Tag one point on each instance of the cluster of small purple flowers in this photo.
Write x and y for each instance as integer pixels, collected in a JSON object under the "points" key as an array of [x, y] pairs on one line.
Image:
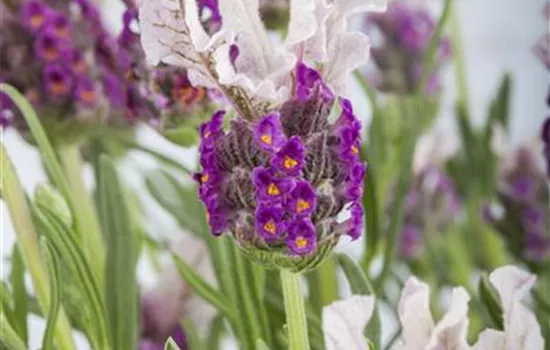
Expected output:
{"points": [[279, 182], [432, 204], [399, 56], [59, 54], [522, 214]]}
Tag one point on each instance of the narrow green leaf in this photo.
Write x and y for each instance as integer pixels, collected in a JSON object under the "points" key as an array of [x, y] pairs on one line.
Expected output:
{"points": [[184, 136], [20, 305], [70, 250], [192, 335], [121, 290], [261, 345], [171, 345], [203, 288], [247, 315], [215, 334], [499, 110], [48, 154], [491, 301], [181, 203], [360, 285], [16, 201], [52, 265], [10, 340]]}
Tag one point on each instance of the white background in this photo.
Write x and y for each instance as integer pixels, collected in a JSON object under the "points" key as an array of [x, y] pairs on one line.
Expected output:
{"points": [[498, 36]]}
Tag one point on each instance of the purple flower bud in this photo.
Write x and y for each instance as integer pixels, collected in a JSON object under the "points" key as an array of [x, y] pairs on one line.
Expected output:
{"points": [[269, 187], [546, 131], [303, 200], [537, 246], [302, 238], [524, 187], [268, 132], [218, 217], [113, 88], [35, 14], [533, 218], [78, 62], [88, 11], [85, 92], [357, 173], [354, 225], [307, 80], [60, 26], [49, 47], [290, 158], [58, 81], [269, 222], [411, 242]]}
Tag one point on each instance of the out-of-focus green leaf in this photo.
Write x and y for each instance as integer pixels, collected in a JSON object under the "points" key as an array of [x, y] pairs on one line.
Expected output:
{"points": [[52, 265], [203, 288], [192, 335], [9, 340], [360, 285], [184, 136], [179, 201], [215, 334], [261, 345], [20, 302], [499, 110], [491, 301], [121, 290], [70, 250]]}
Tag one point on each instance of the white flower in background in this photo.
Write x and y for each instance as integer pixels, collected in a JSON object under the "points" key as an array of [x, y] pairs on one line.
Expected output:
{"points": [[344, 322], [419, 330], [521, 329], [240, 60]]}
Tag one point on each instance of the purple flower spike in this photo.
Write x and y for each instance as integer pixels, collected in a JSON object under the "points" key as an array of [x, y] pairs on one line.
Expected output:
{"points": [[49, 48], [303, 200], [355, 223], [290, 158], [35, 14], [302, 238], [269, 222], [268, 132], [214, 126], [269, 187], [113, 88], [58, 81], [85, 92], [307, 79], [217, 216]]}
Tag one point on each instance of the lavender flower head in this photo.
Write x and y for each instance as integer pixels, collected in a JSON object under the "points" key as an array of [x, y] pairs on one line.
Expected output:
{"points": [[399, 56], [278, 176], [75, 73], [523, 203], [431, 205]]}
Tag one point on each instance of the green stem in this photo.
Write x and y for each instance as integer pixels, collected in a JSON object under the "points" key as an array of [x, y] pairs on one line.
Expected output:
{"points": [[432, 48], [295, 311], [85, 215], [27, 241], [459, 61]]}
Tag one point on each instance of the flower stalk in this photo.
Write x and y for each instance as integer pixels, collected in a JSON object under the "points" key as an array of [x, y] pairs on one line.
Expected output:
{"points": [[14, 197], [295, 311], [87, 223]]}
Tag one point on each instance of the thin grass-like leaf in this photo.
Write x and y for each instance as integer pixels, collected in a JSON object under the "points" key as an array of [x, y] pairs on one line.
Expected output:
{"points": [[171, 345], [121, 290], [20, 302], [52, 265], [203, 288], [10, 340]]}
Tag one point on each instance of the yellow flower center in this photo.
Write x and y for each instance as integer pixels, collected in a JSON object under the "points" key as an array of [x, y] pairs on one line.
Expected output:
{"points": [[207, 134], [266, 139], [59, 87], [270, 227], [354, 150], [290, 162], [37, 20], [273, 190], [302, 205], [301, 242], [204, 177], [87, 96]]}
